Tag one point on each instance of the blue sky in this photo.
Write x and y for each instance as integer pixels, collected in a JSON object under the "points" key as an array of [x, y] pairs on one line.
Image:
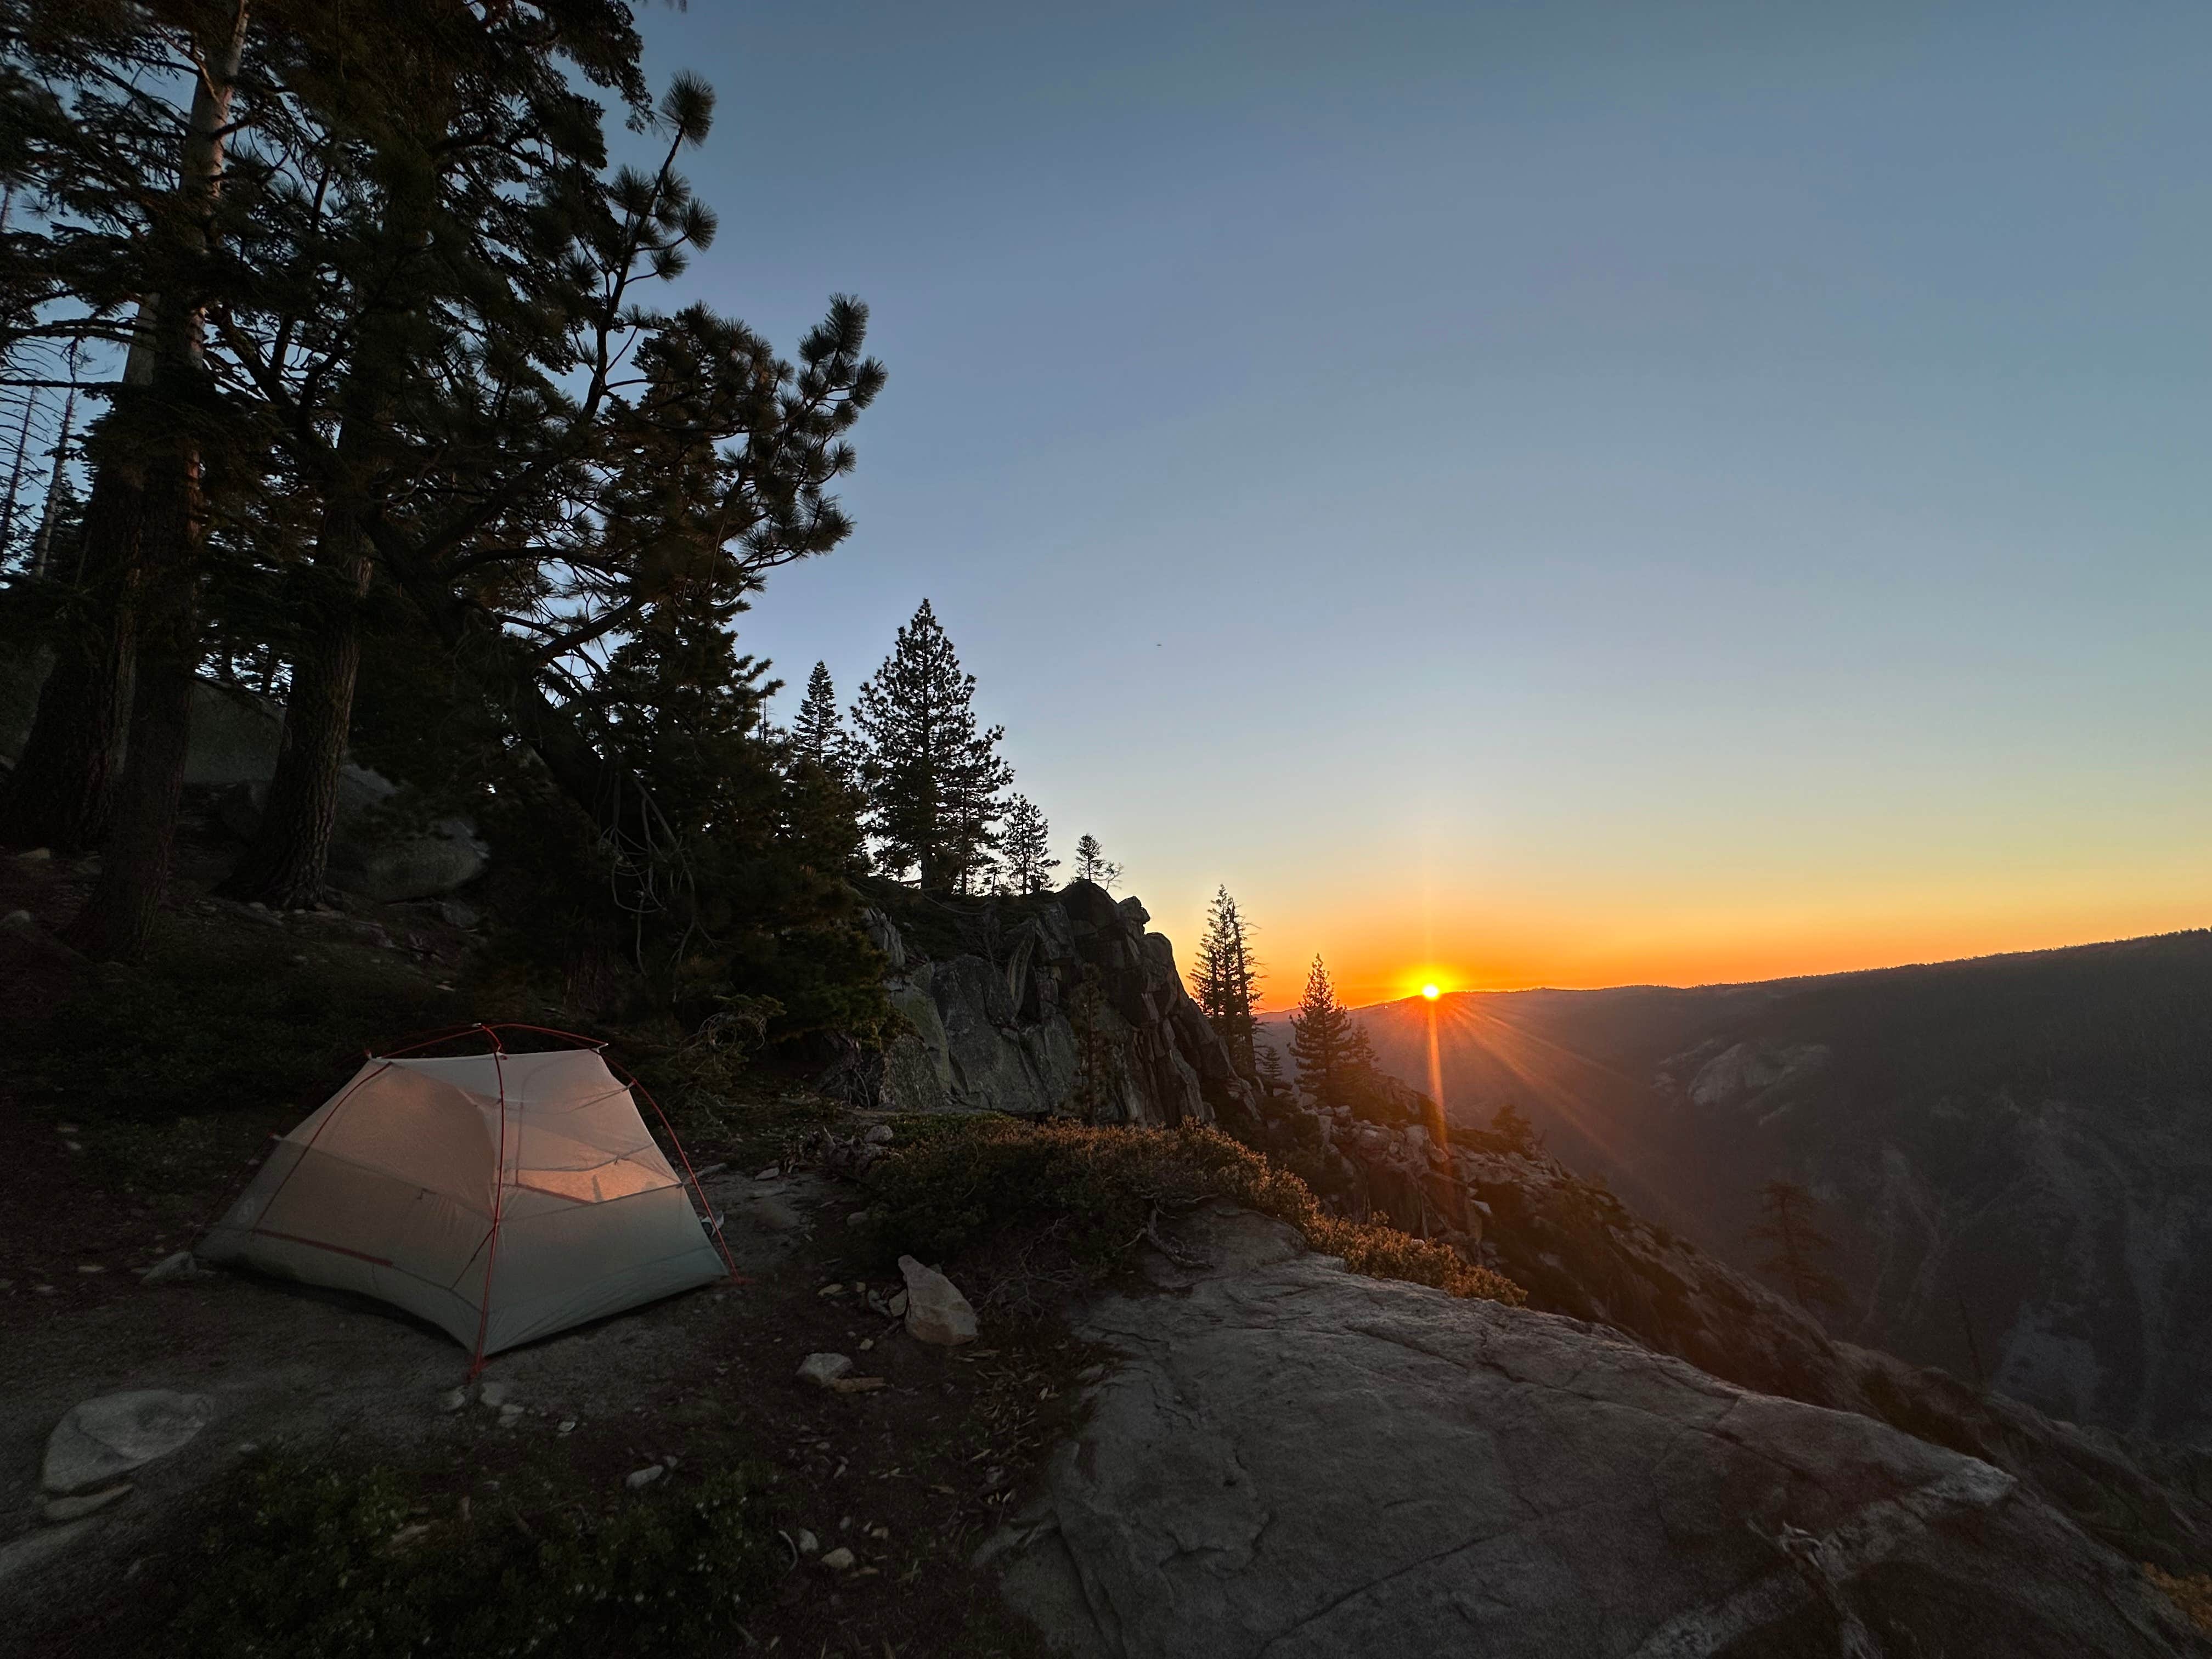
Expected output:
{"points": [[1560, 493]]}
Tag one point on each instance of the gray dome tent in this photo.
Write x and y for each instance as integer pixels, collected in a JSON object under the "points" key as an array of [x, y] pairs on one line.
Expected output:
{"points": [[501, 1196]]}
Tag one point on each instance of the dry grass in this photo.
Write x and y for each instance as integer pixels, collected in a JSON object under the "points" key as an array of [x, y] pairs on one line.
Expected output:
{"points": [[1061, 1206], [2190, 1592]]}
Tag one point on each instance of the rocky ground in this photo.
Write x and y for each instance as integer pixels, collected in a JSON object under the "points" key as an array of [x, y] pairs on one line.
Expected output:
{"points": [[1244, 1450], [1292, 1460], [904, 1478]]}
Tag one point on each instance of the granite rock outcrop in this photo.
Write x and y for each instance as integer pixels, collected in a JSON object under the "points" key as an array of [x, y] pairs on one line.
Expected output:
{"points": [[1055, 1004], [1291, 1460]]}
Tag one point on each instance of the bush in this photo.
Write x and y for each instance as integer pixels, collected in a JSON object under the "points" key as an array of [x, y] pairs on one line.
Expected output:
{"points": [[309, 1560], [219, 1018], [1070, 1204]]}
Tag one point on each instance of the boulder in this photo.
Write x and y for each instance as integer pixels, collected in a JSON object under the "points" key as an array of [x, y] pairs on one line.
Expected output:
{"points": [[1297, 1461], [104, 1438], [390, 868], [936, 1312]]}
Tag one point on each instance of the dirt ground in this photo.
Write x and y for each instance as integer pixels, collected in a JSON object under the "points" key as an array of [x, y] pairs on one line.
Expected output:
{"points": [[910, 1478]]}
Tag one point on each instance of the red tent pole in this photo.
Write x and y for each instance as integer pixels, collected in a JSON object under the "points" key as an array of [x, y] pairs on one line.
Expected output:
{"points": [[498, 1205], [713, 1227]]}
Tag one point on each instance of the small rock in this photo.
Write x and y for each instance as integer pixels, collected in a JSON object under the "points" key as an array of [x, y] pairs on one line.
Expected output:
{"points": [[36, 856], [878, 1136], [858, 1218], [822, 1370], [453, 1399], [90, 1267], [493, 1393], [177, 1269], [115, 1433], [768, 1174], [808, 1543], [509, 1416], [639, 1479], [76, 1509], [833, 1288], [936, 1312], [775, 1215], [1090, 1373], [16, 918], [839, 1559], [568, 1426], [859, 1384], [867, 1343], [27, 1550]]}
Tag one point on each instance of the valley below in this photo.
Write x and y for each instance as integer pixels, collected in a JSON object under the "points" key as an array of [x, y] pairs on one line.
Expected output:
{"points": [[2012, 1154]]}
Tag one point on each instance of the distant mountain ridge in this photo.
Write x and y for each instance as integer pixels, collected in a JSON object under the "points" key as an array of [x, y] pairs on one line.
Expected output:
{"points": [[2014, 1152]]}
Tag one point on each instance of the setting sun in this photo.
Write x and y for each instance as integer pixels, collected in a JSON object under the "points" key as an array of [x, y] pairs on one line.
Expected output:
{"points": [[1431, 992]]}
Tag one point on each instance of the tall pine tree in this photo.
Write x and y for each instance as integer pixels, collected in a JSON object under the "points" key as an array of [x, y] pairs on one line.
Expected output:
{"points": [[933, 779], [818, 736], [1025, 859], [1328, 1048], [1798, 1246], [1091, 864], [1226, 975]]}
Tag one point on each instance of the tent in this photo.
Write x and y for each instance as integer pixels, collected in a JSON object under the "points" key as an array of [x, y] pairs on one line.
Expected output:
{"points": [[501, 1196]]}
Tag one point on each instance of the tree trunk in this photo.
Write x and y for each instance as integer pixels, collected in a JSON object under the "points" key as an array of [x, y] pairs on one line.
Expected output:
{"points": [[59, 796], [117, 920], [286, 864]]}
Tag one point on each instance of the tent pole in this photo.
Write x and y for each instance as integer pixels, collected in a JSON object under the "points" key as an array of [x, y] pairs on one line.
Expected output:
{"points": [[498, 1205]]}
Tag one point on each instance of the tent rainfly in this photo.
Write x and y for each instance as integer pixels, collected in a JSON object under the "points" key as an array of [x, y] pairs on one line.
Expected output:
{"points": [[502, 1196]]}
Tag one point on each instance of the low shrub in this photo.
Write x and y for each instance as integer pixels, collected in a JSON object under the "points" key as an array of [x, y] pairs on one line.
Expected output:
{"points": [[1071, 1204], [308, 1560], [217, 1018]]}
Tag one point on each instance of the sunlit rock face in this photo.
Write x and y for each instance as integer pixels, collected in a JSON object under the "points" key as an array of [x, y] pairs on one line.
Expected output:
{"points": [[1291, 1461], [1062, 1004]]}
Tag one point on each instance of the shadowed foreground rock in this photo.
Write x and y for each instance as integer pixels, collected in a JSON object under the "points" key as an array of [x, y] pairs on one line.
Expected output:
{"points": [[1298, 1462]]}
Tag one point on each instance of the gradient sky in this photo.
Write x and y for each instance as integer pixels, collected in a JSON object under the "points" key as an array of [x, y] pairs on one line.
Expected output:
{"points": [[1533, 494]]}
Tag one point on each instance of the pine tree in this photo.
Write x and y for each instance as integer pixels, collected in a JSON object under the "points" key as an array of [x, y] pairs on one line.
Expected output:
{"points": [[1091, 864], [1325, 1042], [1272, 1079], [1024, 847], [818, 736], [1511, 1126], [1225, 975], [1798, 1246], [933, 779]]}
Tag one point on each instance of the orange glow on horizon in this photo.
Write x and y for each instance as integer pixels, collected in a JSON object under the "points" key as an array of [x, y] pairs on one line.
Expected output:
{"points": [[1523, 950], [1431, 991]]}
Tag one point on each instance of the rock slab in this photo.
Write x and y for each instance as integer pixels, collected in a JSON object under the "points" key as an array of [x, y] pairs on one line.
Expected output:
{"points": [[1296, 1463], [103, 1439]]}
